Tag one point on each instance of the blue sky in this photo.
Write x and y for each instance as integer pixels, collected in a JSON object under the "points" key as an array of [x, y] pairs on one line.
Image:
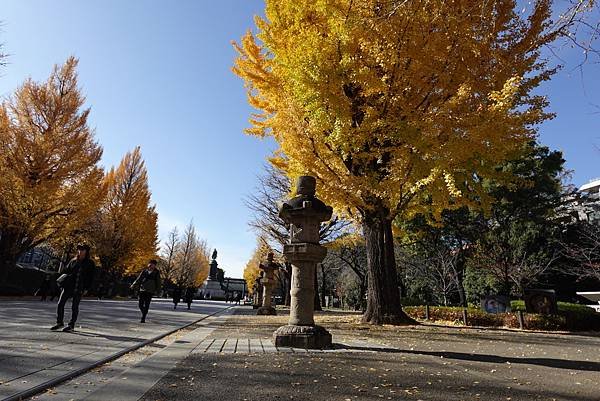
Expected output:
{"points": [[157, 74]]}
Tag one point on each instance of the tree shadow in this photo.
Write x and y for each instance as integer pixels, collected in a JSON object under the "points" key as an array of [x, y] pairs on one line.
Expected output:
{"points": [[108, 336], [548, 362]]}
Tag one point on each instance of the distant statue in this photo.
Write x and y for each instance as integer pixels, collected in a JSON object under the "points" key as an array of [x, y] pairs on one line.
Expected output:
{"points": [[213, 270]]}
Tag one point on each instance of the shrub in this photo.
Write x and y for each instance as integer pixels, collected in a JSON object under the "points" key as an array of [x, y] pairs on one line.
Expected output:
{"points": [[571, 317]]}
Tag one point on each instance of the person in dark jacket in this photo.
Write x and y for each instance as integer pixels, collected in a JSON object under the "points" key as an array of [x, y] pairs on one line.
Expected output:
{"points": [[100, 291], [176, 296], [189, 296], [54, 290], [149, 283], [42, 292], [76, 278]]}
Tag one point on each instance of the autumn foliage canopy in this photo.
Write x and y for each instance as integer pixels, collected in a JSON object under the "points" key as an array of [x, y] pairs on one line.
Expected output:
{"points": [[397, 107]]}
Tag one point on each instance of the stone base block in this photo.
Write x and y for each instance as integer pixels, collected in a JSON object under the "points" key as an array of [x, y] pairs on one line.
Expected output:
{"points": [[266, 310], [309, 337]]}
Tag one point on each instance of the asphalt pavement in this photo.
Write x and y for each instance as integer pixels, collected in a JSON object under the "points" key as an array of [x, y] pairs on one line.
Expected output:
{"points": [[31, 354]]}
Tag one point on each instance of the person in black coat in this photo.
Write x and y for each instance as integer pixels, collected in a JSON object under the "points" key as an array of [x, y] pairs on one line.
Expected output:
{"points": [[76, 278], [189, 296], [176, 297], [42, 292], [149, 284], [54, 290]]}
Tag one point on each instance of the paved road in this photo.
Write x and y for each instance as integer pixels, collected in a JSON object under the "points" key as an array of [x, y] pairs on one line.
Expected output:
{"points": [[31, 354]]}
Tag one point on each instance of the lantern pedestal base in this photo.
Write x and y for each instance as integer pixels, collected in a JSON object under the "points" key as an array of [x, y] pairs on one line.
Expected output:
{"points": [[308, 337]]}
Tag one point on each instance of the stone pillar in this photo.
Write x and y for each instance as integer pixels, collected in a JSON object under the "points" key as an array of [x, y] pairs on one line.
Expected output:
{"points": [[304, 213], [257, 293], [268, 282]]}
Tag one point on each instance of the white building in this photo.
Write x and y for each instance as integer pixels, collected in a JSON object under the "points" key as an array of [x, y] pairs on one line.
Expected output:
{"points": [[592, 188], [581, 204], [591, 201]]}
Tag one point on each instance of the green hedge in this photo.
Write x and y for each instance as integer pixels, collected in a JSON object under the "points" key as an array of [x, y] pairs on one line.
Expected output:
{"points": [[570, 317]]}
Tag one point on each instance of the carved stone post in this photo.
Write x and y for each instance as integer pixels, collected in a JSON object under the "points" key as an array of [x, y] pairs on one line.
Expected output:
{"points": [[268, 282], [257, 293], [304, 213]]}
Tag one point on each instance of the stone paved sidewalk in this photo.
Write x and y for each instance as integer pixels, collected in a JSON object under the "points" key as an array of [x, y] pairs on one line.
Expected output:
{"points": [[373, 363]]}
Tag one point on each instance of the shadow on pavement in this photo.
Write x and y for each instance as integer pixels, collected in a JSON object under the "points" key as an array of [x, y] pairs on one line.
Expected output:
{"points": [[107, 336], [548, 362]]}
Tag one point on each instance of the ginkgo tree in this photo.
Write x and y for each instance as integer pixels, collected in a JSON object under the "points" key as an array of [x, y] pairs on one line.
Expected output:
{"points": [[396, 107], [191, 261], [125, 230], [50, 177], [252, 269]]}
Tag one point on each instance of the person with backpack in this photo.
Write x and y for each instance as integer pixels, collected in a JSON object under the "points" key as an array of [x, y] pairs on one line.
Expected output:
{"points": [[148, 282], [75, 280]]}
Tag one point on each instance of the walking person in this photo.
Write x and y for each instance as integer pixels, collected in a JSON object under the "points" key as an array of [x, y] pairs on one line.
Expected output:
{"points": [[76, 279], [176, 296], [189, 296], [44, 288], [100, 291], [54, 290], [149, 283]]}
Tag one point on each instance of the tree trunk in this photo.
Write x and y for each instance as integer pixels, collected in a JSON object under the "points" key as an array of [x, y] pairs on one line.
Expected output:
{"points": [[505, 286], [6, 265], [383, 299], [460, 279], [317, 299]]}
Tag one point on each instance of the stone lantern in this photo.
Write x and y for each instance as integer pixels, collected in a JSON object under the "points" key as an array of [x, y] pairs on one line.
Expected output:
{"points": [[304, 213], [268, 282], [257, 292]]}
